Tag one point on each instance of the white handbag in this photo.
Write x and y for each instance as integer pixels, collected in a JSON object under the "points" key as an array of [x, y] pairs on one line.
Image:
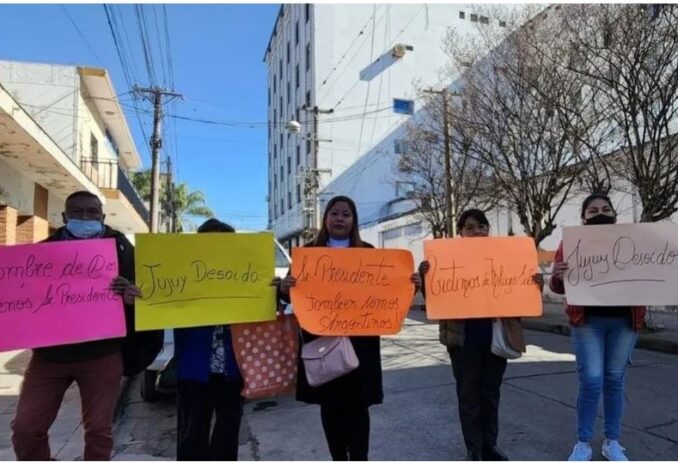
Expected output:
{"points": [[500, 345]]}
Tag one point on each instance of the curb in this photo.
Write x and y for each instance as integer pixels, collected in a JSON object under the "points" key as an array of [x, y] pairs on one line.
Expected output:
{"points": [[645, 340]]}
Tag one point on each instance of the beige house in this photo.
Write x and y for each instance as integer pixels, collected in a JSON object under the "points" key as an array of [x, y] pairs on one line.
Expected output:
{"points": [[61, 130]]}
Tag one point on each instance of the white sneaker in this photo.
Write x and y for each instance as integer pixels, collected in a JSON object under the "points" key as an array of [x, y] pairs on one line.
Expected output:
{"points": [[612, 450], [581, 451]]}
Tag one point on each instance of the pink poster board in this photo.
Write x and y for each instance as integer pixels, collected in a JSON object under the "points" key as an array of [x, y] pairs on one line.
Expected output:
{"points": [[57, 293]]}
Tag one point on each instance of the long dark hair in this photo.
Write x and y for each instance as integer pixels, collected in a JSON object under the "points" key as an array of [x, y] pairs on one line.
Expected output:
{"points": [[476, 214], [324, 234], [215, 226]]}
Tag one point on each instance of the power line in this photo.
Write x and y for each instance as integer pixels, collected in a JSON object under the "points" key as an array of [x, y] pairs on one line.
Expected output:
{"points": [[82, 36]]}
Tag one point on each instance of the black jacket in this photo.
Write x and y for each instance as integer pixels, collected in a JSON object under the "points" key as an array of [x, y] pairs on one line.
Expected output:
{"points": [[97, 348], [363, 386]]}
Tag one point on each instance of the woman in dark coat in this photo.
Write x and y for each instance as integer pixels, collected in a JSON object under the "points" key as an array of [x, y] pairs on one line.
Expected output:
{"points": [[345, 401]]}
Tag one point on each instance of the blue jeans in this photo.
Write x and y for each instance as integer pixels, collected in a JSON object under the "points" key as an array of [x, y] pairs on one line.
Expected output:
{"points": [[603, 348]]}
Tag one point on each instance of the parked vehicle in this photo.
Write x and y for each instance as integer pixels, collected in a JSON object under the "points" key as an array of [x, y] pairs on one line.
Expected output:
{"points": [[159, 379]]}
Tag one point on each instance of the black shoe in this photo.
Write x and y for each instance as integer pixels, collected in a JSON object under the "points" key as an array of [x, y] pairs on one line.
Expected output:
{"points": [[494, 453], [473, 455]]}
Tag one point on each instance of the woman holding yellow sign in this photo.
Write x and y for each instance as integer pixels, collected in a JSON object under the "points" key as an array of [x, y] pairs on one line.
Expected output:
{"points": [[477, 370], [345, 400], [603, 339]]}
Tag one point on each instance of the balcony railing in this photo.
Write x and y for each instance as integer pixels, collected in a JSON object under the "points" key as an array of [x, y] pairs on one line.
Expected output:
{"points": [[106, 173]]}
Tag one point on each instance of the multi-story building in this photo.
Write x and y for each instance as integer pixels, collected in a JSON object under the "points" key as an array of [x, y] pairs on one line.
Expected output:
{"points": [[347, 74], [61, 130]]}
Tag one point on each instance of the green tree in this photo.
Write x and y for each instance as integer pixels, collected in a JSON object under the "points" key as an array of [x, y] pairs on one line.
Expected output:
{"points": [[176, 204]]}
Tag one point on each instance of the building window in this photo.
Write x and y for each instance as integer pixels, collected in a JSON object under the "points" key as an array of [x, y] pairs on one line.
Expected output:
{"points": [[415, 229], [298, 194], [400, 147], [289, 200], [484, 20], [289, 165], [298, 155], [282, 206], [296, 33], [275, 85], [289, 53], [296, 76], [404, 189], [308, 99], [281, 72], [308, 11], [403, 106], [296, 113], [275, 181], [281, 142], [93, 147], [474, 17], [308, 56], [502, 23], [275, 151], [462, 15], [289, 93], [308, 147]]}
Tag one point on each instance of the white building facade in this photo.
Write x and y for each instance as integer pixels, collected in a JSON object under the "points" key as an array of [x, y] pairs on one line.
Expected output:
{"points": [[62, 130], [358, 66]]}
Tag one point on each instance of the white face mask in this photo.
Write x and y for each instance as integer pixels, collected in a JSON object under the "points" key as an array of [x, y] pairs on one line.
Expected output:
{"points": [[84, 229]]}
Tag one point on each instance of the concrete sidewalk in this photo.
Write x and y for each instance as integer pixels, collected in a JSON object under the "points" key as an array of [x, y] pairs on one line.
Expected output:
{"points": [[663, 339], [66, 435]]}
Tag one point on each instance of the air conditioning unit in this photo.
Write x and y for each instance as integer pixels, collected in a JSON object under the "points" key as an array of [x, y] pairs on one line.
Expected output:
{"points": [[399, 50]]}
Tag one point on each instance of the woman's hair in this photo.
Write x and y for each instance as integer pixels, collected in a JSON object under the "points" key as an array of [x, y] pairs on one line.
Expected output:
{"points": [[478, 215], [324, 234], [215, 226], [593, 197]]}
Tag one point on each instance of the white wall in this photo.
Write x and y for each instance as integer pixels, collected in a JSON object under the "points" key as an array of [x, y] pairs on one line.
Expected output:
{"points": [[18, 191], [50, 94], [356, 75]]}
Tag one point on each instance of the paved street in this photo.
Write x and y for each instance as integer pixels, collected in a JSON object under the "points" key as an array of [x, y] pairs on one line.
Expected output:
{"points": [[418, 420]]}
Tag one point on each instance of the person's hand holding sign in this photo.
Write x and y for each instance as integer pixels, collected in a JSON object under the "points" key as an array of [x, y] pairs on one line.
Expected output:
{"points": [[287, 283], [125, 289], [538, 279], [559, 269]]}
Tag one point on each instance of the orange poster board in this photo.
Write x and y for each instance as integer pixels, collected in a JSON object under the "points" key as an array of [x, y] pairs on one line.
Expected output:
{"points": [[353, 291], [489, 277]]}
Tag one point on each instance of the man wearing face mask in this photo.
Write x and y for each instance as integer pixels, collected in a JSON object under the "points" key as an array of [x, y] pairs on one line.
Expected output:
{"points": [[97, 366], [603, 338]]}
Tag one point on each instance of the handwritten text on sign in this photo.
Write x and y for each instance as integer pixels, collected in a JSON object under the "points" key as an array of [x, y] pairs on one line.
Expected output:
{"points": [[352, 291], [206, 279], [487, 277], [58, 293], [621, 265]]}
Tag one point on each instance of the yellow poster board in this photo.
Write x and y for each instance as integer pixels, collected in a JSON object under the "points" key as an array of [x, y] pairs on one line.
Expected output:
{"points": [[190, 280]]}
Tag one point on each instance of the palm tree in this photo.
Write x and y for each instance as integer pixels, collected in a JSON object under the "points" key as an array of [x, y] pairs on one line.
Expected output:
{"points": [[183, 204], [176, 204]]}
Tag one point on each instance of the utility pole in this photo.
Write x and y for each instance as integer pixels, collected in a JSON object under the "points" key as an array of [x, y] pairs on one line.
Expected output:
{"points": [[156, 95], [449, 196], [312, 179], [171, 221]]}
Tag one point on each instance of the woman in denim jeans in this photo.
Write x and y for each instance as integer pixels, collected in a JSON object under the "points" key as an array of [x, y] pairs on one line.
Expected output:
{"points": [[603, 338]]}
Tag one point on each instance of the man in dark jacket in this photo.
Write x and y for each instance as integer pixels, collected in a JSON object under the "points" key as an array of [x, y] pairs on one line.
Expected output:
{"points": [[96, 366]]}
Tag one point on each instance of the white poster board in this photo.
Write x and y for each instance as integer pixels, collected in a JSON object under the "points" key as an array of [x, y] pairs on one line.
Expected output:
{"points": [[621, 265]]}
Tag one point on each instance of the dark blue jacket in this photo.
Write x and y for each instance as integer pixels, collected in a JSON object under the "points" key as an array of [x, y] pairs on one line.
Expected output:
{"points": [[193, 349]]}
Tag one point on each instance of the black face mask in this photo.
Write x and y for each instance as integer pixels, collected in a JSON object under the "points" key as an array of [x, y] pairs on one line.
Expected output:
{"points": [[602, 219]]}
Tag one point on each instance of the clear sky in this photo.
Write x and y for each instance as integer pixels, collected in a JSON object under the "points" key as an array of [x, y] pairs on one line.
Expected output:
{"points": [[217, 61]]}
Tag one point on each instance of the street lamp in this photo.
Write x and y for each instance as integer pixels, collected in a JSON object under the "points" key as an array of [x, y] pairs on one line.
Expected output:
{"points": [[311, 174]]}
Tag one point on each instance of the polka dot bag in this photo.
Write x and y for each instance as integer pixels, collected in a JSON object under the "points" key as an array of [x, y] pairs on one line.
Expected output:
{"points": [[267, 355]]}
